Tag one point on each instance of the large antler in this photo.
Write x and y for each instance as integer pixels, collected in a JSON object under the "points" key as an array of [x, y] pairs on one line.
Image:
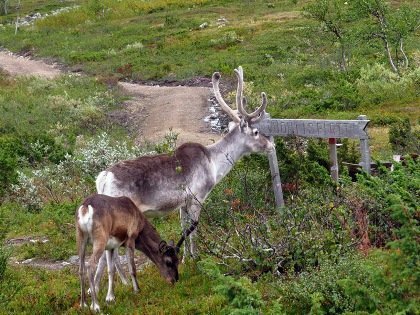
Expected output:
{"points": [[185, 234], [252, 117], [256, 115], [225, 107]]}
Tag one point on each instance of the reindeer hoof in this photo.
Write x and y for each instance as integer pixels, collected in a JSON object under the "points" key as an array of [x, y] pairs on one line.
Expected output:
{"points": [[95, 307], [110, 298], [89, 291]]}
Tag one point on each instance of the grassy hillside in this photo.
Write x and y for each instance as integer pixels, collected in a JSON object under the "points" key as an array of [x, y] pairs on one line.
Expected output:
{"points": [[283, 52], [347, 247]]}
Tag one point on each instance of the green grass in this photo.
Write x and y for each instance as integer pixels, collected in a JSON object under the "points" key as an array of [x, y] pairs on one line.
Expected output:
{"points": [[62, 108], [57, 292]]}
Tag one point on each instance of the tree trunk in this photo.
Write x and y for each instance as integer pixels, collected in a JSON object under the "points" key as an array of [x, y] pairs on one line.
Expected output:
{"points": [[384, 37], [388, 52], [343, 58], [403, 53]]}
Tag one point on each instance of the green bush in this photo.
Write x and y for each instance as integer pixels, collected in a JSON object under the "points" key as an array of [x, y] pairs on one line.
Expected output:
{"points": [[302, 160], [402, 139], [380, 191], [378, 84], [8, 163], [28, 150], [240, 227], [4, 254], [242, 297], [326, 289]]}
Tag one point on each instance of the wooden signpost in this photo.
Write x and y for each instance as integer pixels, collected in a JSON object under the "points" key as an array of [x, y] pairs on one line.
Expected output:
{"points": [[315, 128]]}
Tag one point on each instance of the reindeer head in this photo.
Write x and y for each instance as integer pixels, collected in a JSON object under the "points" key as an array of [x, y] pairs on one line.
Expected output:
{"points": [[241, 120], [170, 261], [169, 252]]}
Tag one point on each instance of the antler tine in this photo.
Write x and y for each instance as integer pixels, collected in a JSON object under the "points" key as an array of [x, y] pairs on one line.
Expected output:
{"points": [[225, 107], [261, 109], [240, 90], [186, 233], [240, 99]]}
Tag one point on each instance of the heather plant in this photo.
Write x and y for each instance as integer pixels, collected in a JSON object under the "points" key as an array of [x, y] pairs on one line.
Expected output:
{"points": [[321, 290], [401, 185], [69, 179], [8, 163], [242, 297], [377, 84], [98, 153], [402, 138]]}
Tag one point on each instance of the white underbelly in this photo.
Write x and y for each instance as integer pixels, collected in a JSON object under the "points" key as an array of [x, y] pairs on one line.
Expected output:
{"points": [[113, 243]]}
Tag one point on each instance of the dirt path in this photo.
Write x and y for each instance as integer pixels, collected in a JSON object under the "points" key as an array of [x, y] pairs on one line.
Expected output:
{"points": [[150, 112], [153, 110], [24, 66]]}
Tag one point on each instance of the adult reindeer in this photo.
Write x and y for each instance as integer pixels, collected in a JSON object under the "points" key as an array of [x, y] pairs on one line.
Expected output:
{"points": [[162, 183]]}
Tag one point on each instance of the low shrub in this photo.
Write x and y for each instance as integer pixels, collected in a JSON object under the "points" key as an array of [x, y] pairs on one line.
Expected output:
{"points": [[228, 39], [400, 185], [378, 84], [242, 297], [324, 290], [4, 253], [241, 228], [8, 163], [73, 176], [402, 139]]}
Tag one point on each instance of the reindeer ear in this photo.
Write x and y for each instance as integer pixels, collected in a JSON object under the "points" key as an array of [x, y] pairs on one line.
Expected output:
{"points": [[243, 124], [162, 246]]}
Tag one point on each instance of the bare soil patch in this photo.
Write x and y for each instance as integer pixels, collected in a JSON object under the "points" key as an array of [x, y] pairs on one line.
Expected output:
{"points": [[140, 260], [153, 110], [24, 66]]}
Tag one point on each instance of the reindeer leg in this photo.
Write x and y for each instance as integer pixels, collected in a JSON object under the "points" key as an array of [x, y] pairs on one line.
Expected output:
{"points": [[183, 213], [110, 296], [119, 268], [99, 272], [194, 214], [98, 250], [131, 264], [82, 242]]}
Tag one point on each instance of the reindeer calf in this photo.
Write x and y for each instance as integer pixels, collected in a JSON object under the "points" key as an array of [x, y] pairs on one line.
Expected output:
{"points": [[110, 222]]}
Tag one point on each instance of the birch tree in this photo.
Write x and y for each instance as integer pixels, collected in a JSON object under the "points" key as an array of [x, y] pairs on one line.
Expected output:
{"points": [[332, 14], [392, 27]]}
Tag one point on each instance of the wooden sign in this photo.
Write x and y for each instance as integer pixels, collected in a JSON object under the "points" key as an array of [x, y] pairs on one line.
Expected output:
{"points": [[314, 128]]}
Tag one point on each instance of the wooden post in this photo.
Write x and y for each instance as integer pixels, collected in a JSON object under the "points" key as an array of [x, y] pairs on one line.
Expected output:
{"points": [[275, 177], [364, 149], [332, 144]]}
